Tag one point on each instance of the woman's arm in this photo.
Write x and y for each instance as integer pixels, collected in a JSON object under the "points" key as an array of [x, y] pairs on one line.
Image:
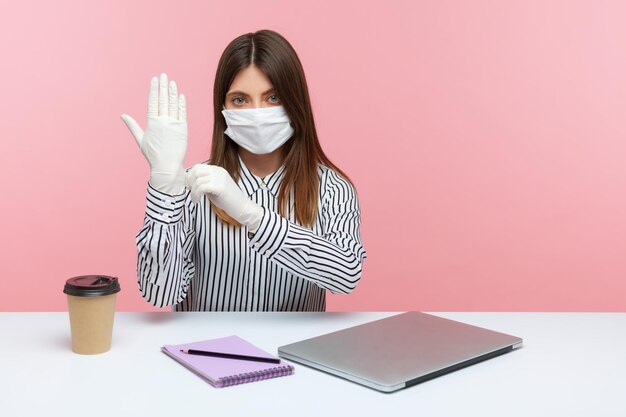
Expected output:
{"points": [[334, 260], [164, 247]]}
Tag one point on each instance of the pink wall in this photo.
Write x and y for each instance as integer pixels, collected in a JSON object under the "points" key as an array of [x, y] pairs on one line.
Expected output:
{"points": [[487, 141]]}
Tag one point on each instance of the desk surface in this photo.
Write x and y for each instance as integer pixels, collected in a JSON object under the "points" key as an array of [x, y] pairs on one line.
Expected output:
{"points": [[571, 364]]}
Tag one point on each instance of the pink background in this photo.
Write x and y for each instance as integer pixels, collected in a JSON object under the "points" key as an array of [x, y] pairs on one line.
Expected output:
{"points": [[487, 141]]}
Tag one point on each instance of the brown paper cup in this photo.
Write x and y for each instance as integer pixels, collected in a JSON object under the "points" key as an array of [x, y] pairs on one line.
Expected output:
{"points": [[91, 306], [91, 322]]}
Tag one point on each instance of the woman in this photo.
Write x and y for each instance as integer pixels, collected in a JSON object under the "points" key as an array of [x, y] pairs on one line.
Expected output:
{"points": [[269, 223]]}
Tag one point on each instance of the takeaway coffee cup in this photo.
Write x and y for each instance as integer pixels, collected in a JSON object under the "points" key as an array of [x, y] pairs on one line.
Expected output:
{"points": [[91, 305]]}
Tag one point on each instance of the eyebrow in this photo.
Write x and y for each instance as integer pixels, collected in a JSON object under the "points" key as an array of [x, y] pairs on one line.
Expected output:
{"points": [[244, 94]]}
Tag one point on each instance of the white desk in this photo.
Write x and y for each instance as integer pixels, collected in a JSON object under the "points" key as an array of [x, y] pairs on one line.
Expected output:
{"points": [[572, 364]]}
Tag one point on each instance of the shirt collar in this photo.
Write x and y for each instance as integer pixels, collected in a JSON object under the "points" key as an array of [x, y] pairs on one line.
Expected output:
{"points": [[250, 183]]}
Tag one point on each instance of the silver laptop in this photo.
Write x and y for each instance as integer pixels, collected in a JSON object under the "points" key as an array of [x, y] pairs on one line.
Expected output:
{"points": [[399, 351]]}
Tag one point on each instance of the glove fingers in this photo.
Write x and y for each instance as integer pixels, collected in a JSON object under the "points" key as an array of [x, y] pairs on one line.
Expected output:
{"points": [[153, 98], [200, 181], [190, 177], [134, 128], [163, 96], [173, 100], [196, 171], [202, 186], [182, 108], [205, 179]]}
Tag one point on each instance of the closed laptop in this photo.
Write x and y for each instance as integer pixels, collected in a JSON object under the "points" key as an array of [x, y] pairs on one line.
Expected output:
{"points": [[399, 351]]}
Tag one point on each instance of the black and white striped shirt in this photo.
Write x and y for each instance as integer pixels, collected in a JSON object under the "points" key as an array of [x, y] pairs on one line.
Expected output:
{"points": [[187, 257]]}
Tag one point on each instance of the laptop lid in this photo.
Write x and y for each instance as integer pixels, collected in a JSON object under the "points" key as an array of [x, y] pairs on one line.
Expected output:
{"points": [[399, 351]]}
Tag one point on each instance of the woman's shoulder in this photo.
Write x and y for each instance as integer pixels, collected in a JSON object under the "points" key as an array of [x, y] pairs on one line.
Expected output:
{"points": [[330, 178], [324, 171]]}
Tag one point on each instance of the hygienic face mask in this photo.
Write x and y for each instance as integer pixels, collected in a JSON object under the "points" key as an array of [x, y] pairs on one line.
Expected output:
{"points": [[261, 130]]}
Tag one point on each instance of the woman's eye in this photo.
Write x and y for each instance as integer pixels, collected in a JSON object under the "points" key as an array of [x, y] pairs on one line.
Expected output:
{"points": [[274, 95], [237, 98]]}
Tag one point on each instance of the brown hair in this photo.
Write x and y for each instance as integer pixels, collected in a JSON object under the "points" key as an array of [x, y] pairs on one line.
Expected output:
{"points": [[273, 55]]}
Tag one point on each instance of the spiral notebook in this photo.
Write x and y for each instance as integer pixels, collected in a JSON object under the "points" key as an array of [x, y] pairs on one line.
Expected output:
{"points": [[222, 372]]}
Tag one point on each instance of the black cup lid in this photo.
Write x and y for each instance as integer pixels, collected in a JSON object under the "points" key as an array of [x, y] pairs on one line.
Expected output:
{"points": [[91, 285]]}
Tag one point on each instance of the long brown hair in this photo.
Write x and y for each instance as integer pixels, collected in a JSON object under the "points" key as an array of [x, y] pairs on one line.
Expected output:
{"points": [[275, 57]]}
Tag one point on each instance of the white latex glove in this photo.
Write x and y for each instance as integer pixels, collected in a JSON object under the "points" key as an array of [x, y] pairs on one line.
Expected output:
{"points": [[164, 142], [221, 189]]}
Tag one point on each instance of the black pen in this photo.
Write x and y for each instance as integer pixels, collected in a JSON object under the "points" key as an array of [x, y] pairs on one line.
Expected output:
{"points": [[230, 356]]}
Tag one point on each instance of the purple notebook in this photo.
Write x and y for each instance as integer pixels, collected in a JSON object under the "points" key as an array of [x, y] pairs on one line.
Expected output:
{"points": [[222, 372]]}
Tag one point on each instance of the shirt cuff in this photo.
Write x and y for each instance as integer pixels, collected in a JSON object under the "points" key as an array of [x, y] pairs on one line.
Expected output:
{"points": [[271, 233], [164, 208]]}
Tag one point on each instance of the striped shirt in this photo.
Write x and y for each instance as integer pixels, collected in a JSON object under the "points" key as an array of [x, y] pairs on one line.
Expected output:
{"points": [[188, 258]]}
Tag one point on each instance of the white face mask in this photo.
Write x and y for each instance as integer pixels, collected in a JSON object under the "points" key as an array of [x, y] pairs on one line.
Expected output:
{"points": [[261, 130]]}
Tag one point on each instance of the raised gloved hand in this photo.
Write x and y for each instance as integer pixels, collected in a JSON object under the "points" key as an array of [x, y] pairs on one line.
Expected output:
{"points": [[164, 142], [221, 189]]}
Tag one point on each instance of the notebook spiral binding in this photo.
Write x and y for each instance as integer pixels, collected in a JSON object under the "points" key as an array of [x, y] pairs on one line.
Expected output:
{"points": [[256, 376]]}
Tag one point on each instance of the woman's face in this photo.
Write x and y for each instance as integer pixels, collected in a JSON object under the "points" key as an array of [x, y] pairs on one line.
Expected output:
{"points": [[251, 89]]}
